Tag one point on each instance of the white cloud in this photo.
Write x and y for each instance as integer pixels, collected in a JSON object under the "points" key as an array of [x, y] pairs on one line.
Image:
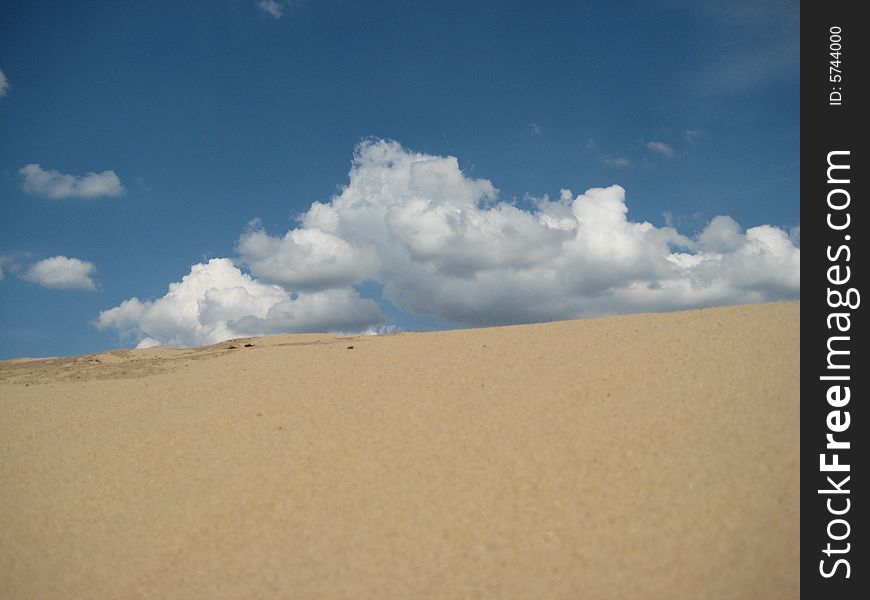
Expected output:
{"points": [[4, 84], [272, 8], [13, 263], [4, 260], [306, 259], [216, 301], [445, 247], [661, 148], [60, 272], [148, 343], [616, 161], [336, 310], [722, 234], [37, 181], [692, 135], [441, 244], [536, 129]]}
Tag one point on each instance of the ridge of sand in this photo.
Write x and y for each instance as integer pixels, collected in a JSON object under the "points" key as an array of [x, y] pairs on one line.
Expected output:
{"points": [[643, 456]]}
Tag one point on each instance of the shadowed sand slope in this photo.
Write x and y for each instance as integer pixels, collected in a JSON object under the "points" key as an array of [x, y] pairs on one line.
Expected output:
{"points": [[647, 456]]}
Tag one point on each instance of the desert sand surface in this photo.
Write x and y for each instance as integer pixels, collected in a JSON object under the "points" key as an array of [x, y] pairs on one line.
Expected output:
{"points": [[644, 456]]}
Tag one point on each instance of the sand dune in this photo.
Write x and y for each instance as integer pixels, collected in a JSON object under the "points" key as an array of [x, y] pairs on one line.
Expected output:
{"points": [[647, 456]]}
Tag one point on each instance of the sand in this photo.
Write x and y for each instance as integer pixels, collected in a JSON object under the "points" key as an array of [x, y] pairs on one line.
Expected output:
{"points": [[646, 456]]}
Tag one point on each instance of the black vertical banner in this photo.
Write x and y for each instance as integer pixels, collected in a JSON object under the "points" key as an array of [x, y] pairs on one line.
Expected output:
{"points": [[834, 225]]}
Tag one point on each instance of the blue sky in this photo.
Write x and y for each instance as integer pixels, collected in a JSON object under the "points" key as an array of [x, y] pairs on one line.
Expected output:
{"points": [[195, 118]]}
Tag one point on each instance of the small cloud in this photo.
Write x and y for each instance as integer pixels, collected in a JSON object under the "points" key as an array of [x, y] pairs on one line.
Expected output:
{"points": [[692, 135], [62, 273], [661, 148], [13, 263], [4, 260], [591, 145], [691, 220], [4, 84], [37, 181], [271, 7], [536, 129], [722, 234], [617, 161], [763, 45]]}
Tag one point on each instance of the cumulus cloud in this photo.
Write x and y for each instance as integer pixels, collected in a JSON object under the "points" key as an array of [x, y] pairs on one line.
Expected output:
{"points": [[62, 273], [440, 243], [216, 301], [661, 149], [722, 234], [4, 84], [37, 181], [306, 259]]}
